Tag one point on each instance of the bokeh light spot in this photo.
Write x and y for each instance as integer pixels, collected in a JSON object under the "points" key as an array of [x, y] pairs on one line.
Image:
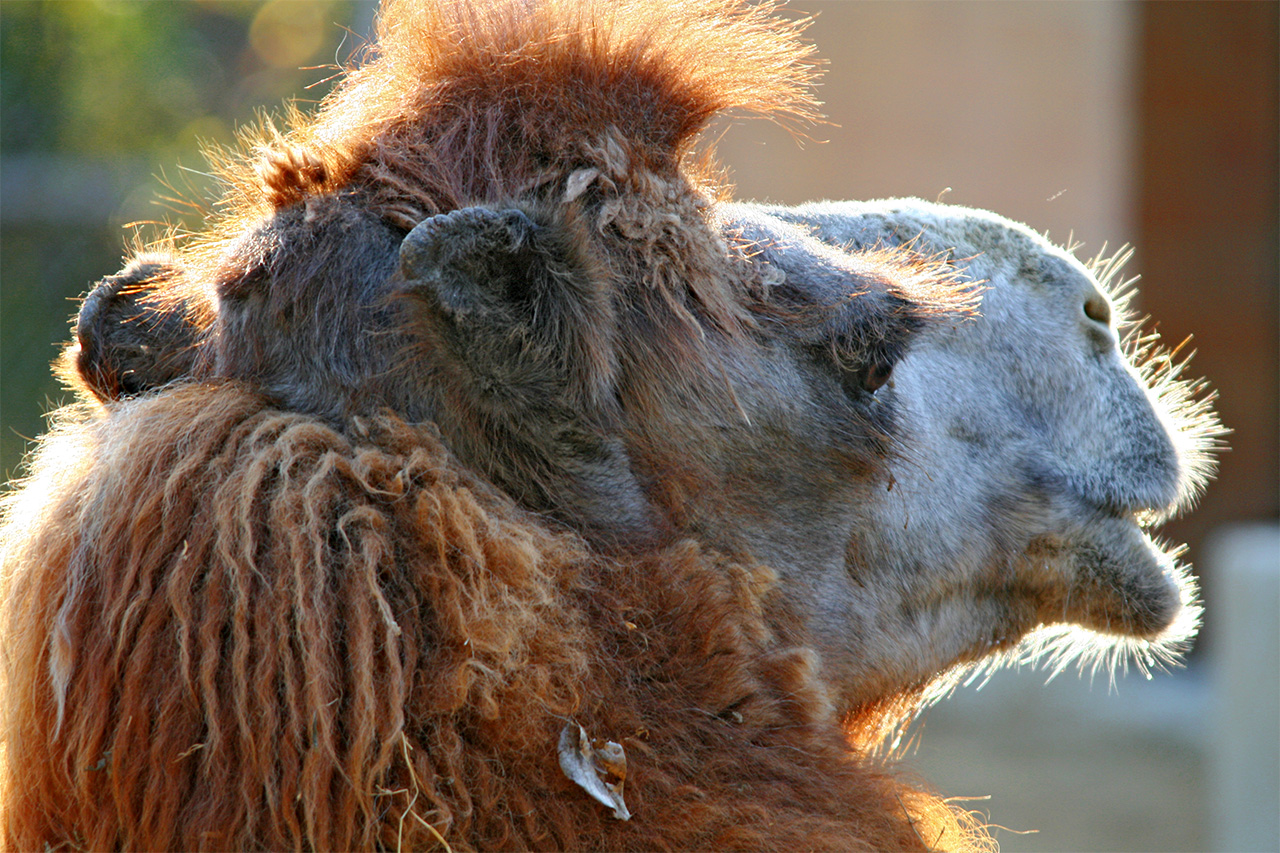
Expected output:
{"points": [[286, 34]]}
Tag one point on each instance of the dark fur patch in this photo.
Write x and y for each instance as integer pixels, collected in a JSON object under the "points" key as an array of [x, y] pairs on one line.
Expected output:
{"points": [[136, 331]]}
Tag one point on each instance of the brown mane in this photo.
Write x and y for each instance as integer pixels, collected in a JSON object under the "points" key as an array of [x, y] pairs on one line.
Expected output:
{"points": [[461, 103]]}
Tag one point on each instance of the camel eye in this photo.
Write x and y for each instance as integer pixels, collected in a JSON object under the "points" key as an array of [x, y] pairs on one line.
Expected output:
{"points": [[876, 374]]}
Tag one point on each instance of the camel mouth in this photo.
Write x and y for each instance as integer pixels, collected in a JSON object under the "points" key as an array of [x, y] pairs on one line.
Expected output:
{"points": [[1146, 519], [1150, 519], [1146, 508]]}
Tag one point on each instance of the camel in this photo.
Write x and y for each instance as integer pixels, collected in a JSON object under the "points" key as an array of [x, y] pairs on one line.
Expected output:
{"points": [[485, 478]]}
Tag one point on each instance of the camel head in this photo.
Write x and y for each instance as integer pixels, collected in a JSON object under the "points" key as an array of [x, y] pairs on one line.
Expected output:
{"points": [[1038, 443]]}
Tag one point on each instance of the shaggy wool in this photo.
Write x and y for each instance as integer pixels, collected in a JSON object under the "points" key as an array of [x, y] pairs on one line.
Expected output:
{"points": [[235, 619], [230, 627]]}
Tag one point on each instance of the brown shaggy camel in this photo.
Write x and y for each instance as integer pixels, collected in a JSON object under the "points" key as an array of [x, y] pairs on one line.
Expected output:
{"points": [[482, 478]]}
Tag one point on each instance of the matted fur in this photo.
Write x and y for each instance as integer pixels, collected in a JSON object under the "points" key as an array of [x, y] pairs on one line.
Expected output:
{"points": [[468, 102], [270, 634], [462, 103]]}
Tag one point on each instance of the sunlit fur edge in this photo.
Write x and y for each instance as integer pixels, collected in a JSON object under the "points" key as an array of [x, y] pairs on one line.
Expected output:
{"points": [[1186, 404], [1187, 407]]}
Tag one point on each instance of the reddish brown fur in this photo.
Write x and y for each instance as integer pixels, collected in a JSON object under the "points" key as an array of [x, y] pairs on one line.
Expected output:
{"points": [[466, 103], [332, 642], [230, 626]]}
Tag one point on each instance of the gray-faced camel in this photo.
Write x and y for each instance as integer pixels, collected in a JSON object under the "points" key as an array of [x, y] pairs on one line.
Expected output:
{"points": [[483, 478]]}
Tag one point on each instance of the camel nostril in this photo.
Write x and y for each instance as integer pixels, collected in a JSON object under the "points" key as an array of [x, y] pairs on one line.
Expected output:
{"points": [[1098, 309]]}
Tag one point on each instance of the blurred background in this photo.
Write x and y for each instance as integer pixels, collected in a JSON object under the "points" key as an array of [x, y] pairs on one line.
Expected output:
{"points": [[1148, 124]]}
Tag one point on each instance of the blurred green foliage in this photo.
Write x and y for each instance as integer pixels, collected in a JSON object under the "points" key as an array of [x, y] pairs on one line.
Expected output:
{"points": [[103, 103]]}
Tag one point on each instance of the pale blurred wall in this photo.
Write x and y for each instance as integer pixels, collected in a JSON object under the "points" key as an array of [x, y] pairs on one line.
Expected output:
{"points": [[1023, 108]]}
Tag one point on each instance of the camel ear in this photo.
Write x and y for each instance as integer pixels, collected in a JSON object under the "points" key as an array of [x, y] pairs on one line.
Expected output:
{"points": [[513, 301], [471, 263], [858, 310], [136, 331], [517, 321]]}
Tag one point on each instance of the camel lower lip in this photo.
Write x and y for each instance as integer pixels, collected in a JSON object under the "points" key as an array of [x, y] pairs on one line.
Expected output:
{"points": [[1127, 584]]}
